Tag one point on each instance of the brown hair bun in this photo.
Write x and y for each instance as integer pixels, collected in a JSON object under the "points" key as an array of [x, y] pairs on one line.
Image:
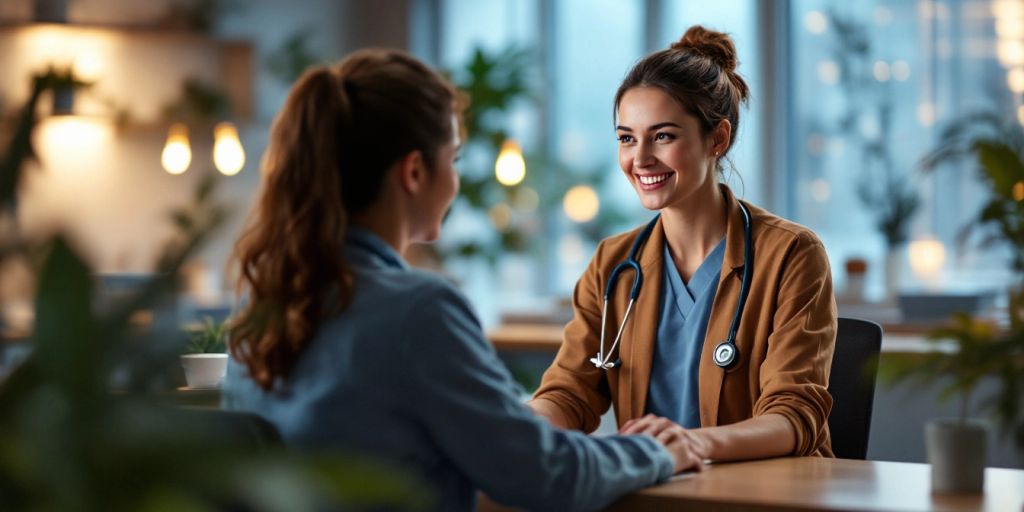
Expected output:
{"points": [[717, 46]]}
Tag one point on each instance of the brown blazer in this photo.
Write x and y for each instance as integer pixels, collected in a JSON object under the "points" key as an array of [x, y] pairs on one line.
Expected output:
{"points": [[786, 336]]}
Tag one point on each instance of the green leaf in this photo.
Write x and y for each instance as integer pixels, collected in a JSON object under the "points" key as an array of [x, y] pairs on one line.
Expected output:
{"points": [[1001, 166], [64, 331]]}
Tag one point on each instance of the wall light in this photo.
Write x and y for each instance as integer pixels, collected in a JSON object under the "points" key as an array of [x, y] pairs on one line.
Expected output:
{"points": [[228, 153], [177, 153], [510, 168]]}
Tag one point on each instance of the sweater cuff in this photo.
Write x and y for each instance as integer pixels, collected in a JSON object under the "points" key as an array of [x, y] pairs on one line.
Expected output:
{"points": [[663, 460]]}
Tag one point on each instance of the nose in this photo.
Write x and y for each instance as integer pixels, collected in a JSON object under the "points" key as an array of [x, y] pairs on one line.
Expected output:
{"points": [[643, 156]]}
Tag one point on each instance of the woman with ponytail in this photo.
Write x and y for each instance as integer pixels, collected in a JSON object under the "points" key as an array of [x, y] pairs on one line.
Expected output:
{"points": [[345, 348], [729, 343]]}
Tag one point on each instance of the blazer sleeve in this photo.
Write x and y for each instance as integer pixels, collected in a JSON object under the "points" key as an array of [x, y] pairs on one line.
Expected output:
{"points": [[572, 383], [466, 401], [794, 375]]}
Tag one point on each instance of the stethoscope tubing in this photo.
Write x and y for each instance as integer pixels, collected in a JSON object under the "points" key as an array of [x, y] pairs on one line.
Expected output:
{"points": [[725, 355]]}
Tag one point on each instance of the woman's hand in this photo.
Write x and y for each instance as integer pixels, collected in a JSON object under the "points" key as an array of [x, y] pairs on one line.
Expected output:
{"points": [[688, 447]]}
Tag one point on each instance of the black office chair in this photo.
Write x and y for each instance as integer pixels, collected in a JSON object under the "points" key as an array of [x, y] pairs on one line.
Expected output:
{"points": [[852, 386]]}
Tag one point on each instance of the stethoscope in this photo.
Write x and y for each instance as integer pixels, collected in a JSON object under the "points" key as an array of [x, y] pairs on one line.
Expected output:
{"points": [[726, 355]]}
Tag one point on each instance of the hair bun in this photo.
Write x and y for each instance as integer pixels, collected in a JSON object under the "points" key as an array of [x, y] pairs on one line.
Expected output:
{"points": [[717, 46]]}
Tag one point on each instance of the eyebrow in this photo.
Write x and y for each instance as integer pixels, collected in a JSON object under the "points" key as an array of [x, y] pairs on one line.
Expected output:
{"points": [[650, 128]]}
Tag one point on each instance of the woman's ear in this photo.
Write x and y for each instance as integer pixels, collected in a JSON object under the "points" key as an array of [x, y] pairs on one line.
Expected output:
{"points": [[720, 136], [412, 173]]}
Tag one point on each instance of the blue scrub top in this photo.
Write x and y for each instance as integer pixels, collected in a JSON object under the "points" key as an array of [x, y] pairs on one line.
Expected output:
{"points": [[682, 326], [405, 375]]}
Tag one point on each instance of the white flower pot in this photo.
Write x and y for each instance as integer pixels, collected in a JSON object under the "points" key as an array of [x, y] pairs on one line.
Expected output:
{"points": [[204, 370], [957, 451]]}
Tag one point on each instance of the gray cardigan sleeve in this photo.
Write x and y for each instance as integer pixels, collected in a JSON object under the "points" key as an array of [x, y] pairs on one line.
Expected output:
{"points": [[467, 401]]}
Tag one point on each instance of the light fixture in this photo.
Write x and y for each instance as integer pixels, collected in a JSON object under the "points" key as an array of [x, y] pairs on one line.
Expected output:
{"points": [[1018, 191], [177, 153], [510, 168], [228, 154], [927, 255], [581, 204]]}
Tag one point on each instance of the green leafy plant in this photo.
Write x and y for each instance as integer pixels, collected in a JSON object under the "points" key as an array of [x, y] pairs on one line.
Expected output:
{"points": [[965, 352], [210, 338], [497, 82], [970, 349], [75, 434], [993, 146], [292, 57]]}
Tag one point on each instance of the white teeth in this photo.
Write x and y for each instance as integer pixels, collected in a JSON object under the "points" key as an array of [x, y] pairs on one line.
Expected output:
{"points": [[651, 180]]}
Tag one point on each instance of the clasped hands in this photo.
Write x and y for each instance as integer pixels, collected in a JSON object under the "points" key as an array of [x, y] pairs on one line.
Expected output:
{"points": [[688, 447]]}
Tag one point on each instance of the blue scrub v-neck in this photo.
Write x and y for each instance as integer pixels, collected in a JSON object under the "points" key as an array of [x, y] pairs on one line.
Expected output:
{"points": [[685, 311]]}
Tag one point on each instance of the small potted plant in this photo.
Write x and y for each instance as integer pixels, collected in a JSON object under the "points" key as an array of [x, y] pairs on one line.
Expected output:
{"points": [[204, 357], [966, 351]]}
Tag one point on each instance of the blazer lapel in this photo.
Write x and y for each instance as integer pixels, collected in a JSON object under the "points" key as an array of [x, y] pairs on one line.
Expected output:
{"points": [[644, 327], [711, 377]]}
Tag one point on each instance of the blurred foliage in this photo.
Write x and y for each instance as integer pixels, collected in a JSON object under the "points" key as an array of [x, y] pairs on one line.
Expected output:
{"points": [[967, 351], [994, 145], [20, 148], [209, 338], [496, 84], [289, 60], [887, 193], [76, 435], [199, 15], [199, 103]]}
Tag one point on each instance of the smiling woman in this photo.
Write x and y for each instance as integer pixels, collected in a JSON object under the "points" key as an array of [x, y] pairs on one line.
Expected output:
{"points": [[709, 268]]}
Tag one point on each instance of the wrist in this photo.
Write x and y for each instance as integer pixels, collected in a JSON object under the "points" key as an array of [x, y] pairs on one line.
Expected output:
{"points": [[709, 442]]}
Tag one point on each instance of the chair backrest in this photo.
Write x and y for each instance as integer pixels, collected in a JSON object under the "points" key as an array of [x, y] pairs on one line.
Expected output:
{"points": [[852, 386], [239, 428]]}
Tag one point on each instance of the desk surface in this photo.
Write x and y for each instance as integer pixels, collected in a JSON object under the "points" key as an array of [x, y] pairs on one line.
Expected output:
{"points": [[811, 483]]}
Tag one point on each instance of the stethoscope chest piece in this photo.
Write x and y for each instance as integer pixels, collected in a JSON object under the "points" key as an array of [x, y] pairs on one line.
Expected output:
{"points": [[725, 355]]}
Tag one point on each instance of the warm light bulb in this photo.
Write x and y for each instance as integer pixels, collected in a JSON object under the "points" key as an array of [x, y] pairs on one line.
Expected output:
{"points": [[228, 154], [510, 168], [926, 257], [177, 153], [1018, 191], [581, 203]]}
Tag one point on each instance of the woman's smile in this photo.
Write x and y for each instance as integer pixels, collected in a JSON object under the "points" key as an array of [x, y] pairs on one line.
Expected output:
{"points": [[649, 182]]}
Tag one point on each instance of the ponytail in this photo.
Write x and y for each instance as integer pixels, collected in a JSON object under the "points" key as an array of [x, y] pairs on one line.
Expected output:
{"points": [[340, 130]]}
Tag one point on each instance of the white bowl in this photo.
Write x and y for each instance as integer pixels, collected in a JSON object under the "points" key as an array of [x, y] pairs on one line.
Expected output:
{"points": [[204, 370]]}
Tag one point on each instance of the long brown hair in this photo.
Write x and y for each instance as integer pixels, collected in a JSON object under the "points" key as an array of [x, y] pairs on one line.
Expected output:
{"points": [[699, 71], [341, 129]]}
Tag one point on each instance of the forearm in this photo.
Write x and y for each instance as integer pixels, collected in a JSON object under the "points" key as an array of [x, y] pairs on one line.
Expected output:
{"points": [[551, 411], [761, 437]]}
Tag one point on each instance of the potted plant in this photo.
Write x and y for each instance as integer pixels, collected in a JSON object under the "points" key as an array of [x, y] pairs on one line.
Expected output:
{"points": [[966, 351], [205, 358], [969, 348]]}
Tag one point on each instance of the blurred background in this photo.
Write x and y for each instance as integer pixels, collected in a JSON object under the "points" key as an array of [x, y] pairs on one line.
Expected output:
{"points": [[848, 99], [860, 127]]}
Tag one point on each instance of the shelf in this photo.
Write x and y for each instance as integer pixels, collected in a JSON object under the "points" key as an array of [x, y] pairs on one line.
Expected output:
{"points": [[138, 69]]}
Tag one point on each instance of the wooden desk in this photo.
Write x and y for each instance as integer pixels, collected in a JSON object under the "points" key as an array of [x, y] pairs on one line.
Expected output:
{"points": [[811, 483]]}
